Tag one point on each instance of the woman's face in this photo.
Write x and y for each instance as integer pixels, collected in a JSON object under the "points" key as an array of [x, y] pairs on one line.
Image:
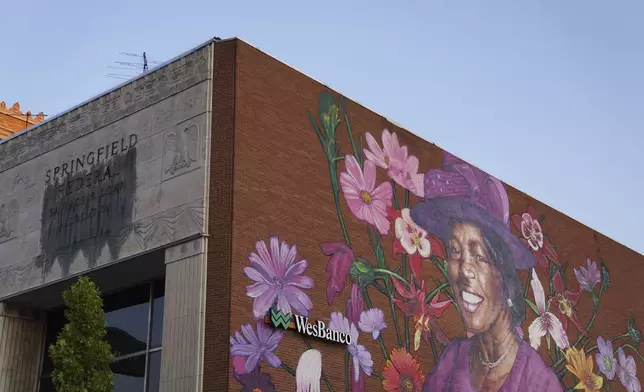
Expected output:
{"points": [[475, 280]]}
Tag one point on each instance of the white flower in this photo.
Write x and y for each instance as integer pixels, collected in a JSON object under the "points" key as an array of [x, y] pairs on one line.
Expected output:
{"points": [[411, 236], [309, 371], [546, 323]]}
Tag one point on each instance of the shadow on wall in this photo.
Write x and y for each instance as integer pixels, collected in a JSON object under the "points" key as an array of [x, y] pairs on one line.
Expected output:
{"points": [[517, 334]]}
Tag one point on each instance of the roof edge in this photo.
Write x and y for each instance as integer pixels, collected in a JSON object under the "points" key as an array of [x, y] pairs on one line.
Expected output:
{"points": [[106, 92]]}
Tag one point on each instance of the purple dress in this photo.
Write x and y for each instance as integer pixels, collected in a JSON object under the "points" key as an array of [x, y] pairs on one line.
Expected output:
{"points": [[452, 373]]}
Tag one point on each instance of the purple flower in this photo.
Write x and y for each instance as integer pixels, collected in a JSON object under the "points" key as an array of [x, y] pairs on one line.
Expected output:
{"points": [[605, 359], [255, 381], [372, 320], [588, 277], [256, 346], [277, 277], [337, 269], [361, 357], [626, 372]]}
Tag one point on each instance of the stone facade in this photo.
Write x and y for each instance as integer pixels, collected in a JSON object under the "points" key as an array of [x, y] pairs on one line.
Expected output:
{"points": [[110, 179]]}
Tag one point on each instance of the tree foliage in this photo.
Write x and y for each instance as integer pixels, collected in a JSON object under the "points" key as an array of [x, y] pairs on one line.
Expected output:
{"points": [[81, 356]]}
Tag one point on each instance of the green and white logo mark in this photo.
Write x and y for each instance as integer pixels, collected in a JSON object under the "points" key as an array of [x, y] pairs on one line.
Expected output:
{"points": [[280, 319]]}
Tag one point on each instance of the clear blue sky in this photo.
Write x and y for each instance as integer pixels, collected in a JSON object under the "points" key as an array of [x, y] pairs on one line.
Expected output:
{"points": [[546, 95]]}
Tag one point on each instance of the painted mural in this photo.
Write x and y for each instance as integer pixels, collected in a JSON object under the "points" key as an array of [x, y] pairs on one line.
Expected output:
{"points": [[456, 248]]}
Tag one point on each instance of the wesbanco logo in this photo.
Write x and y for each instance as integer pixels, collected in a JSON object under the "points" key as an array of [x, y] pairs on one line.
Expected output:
{"points": [[279, 319]]}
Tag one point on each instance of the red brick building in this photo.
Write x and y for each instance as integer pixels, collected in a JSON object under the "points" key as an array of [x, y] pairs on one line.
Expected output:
{"points": [[12, 119], [282, 237]]}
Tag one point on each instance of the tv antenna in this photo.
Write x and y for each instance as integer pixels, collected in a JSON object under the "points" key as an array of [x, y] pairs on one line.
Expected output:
{"points": [[132, 68]]}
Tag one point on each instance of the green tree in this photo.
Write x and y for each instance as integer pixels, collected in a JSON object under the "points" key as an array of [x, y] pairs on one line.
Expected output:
{"points": [[81, 356]]}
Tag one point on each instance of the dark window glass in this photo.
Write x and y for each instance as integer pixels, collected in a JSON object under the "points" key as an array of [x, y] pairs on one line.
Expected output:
{"points": [[127, 316], [130, 325], [46, 385], [154, 371], [157, 322], [129, 374]]}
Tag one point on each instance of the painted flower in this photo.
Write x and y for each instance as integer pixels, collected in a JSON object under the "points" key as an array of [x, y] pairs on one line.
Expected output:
{"points": [[309, 371], [626, 372], [582, 367], [405, 173], [366, 201], [402, 373], [424, 314], [565, 302], [257, 346], [239, 363], [372, 321], [255, 382], [530, 228], [546, 323], [605, 359], [390, 153], [355, 307], [412, 239], [393, 157], [337, 269], [278, 278], [588, 277], [359, 354]]}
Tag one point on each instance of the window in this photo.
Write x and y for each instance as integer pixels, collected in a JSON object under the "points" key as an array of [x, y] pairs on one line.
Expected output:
{"points": [[134, 321]]}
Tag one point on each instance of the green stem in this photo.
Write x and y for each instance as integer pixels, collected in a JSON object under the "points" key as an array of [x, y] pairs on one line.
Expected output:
{"points": [[288, 369], [347, 373], [367, 300], [377, 375], [346, 121], [406, 198], [432, 342], [527, 283], [393, 274], [532, 306], [394, 314], [336, 198], [405, 317], [435, 292], [627, 345]]}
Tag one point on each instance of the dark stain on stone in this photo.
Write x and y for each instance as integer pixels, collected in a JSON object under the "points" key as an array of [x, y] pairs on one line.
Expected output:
{"points": [[85, 211]]}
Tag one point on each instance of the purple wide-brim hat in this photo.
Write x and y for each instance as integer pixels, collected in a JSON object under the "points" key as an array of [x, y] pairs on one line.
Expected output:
{"points": [[461, 192], [437, 216]]}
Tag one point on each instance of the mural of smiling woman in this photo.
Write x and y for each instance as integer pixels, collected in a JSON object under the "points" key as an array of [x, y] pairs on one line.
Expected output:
{"points": [[482, 258], [437, 283]]}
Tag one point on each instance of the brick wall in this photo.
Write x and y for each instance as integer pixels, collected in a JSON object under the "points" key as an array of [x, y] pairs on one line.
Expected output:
{"points": [[220, 217], [281, 187]]}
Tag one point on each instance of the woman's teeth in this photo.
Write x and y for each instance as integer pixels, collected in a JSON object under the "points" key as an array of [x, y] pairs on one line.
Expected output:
{"points": [[470, 301]]}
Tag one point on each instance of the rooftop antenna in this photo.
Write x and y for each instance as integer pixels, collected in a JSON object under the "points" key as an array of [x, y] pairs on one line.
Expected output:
{"points": [[133, 68]]}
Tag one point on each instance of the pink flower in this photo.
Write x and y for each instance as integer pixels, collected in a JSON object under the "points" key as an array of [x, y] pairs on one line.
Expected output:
{"points": [[546, 323], [405, 174], [530, 228], [337, 269], [366, 201], [403, 169], [278, 278], [588, 277], [391, 153]]}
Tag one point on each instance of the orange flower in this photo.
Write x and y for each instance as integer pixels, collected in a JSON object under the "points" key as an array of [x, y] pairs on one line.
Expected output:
{"points": [[582, 367], [402, 373]]}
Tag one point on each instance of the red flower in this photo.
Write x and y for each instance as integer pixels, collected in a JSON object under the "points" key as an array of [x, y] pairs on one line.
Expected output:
{"points": [[337, 269], [402, 373], [565, 302], [413, 304], [530, 228]]}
